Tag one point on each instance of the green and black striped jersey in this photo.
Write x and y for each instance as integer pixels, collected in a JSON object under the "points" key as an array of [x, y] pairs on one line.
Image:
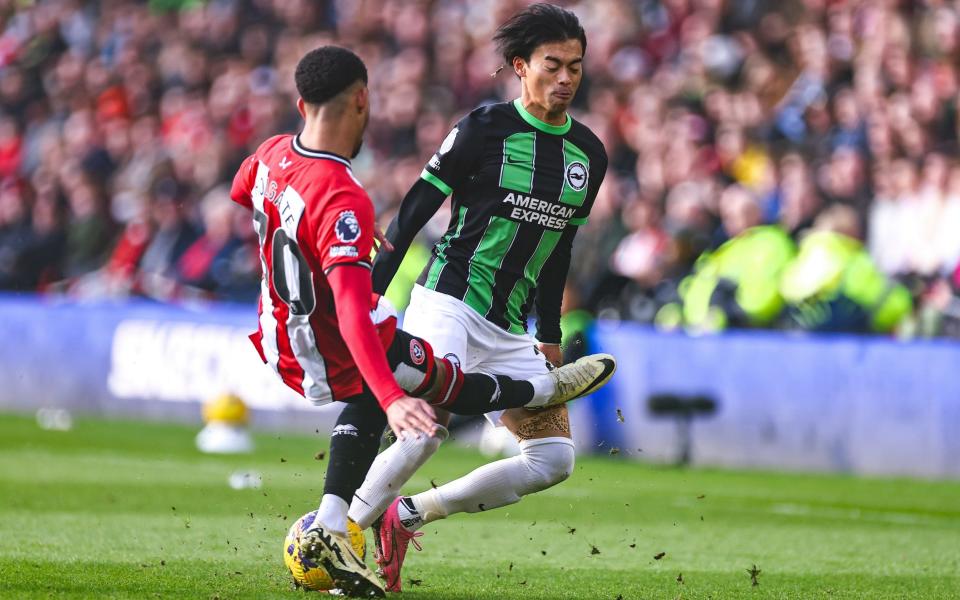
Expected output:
{"points": [[520, 187]]}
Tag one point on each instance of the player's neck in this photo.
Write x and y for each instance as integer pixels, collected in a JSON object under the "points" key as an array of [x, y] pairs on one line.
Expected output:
{"points": [[326, 138], [541, 113]]}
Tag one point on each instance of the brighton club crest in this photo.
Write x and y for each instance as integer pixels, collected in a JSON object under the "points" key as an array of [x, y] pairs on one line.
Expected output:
{"points": [[576, 176]]}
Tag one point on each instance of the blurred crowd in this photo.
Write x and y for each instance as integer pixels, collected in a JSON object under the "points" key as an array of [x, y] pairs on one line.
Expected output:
{"points": [[122, 123]]}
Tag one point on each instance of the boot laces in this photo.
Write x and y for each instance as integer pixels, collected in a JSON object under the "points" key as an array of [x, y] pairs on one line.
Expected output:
{"points": [[412, 538], [578, 375]]}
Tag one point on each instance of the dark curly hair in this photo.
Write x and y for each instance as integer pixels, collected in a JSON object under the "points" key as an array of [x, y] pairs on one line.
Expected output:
{"points": [[535, 25], [326, 71]]}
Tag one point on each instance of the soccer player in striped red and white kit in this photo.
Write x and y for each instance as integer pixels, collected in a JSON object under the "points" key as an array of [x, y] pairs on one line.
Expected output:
{"points": [[324, 331]]}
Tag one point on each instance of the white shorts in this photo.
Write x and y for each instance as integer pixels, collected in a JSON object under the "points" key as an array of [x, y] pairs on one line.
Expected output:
{"points": [[452, 327]]}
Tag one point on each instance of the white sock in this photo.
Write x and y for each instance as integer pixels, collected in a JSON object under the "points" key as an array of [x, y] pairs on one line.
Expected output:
{"points": [[544, 387], [542, 463], [410, 517], [332, 513], [391, 469]]}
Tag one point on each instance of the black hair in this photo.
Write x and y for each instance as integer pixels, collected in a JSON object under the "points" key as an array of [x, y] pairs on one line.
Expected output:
{"points": [[535, 25], [326, 71]]}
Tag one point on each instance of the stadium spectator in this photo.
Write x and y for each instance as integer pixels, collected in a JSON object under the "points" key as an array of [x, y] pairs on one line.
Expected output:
{"points": [[14, 235], [833, 284], [39, 261], [89, 228], [172, 234], [218, 260]]}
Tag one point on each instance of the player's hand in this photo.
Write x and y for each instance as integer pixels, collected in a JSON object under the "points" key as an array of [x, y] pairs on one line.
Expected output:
{"points": [[552, 353], [382, 242], [411, 415]]}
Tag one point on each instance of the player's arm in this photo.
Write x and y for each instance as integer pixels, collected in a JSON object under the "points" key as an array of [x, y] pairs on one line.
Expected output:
{"points": [[243, 182], [352, 289], [344, 242], [446, 171], [418, 206], [553, 278]]}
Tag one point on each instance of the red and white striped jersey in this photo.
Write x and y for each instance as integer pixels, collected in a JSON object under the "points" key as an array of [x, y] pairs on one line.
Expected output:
{"points": [[310, 214]]}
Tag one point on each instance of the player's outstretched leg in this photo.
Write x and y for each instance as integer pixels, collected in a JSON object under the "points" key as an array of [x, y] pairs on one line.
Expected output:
{"points": [[441, 382], [477, 393], [542, 463], [575, 380], [390, 471], [546, 459], [557, 387]]}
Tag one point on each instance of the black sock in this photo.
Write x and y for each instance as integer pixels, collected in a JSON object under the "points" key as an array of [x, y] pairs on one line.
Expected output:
{"points": [[480, 394], [353, 446]]}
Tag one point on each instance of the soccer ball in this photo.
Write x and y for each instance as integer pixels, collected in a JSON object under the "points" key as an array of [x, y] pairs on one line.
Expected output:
{"points": [[306, 573]]}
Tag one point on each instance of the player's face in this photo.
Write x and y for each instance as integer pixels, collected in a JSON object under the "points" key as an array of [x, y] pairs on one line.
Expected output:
{"points": [[553, 74]]}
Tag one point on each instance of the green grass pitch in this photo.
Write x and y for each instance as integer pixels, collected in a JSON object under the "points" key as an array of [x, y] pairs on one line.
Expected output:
{"points": [[132, 510]]}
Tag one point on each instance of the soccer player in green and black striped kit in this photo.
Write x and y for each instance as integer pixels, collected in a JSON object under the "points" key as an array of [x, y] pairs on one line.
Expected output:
{"points": [[523, 176]]}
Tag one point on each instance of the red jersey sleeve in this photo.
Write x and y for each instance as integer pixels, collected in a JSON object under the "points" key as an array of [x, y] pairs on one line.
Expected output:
{"points": [[345, 234], [243, 181], [351, 288]]}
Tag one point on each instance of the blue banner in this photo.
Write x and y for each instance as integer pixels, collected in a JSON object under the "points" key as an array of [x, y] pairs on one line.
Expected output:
{"points": [[838, 403], [138, 358]]}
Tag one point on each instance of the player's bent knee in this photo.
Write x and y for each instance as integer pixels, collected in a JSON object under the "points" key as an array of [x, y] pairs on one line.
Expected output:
{"points": [[549, 461], [412, 361]]}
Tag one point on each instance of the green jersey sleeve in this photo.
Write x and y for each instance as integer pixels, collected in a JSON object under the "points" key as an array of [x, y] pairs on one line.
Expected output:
{"points": [[598, 169], [457, 157]]}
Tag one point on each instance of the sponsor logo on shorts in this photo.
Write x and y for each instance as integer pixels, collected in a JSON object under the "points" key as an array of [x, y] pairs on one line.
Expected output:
{"points": [[417, 353], [345, 429]]}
